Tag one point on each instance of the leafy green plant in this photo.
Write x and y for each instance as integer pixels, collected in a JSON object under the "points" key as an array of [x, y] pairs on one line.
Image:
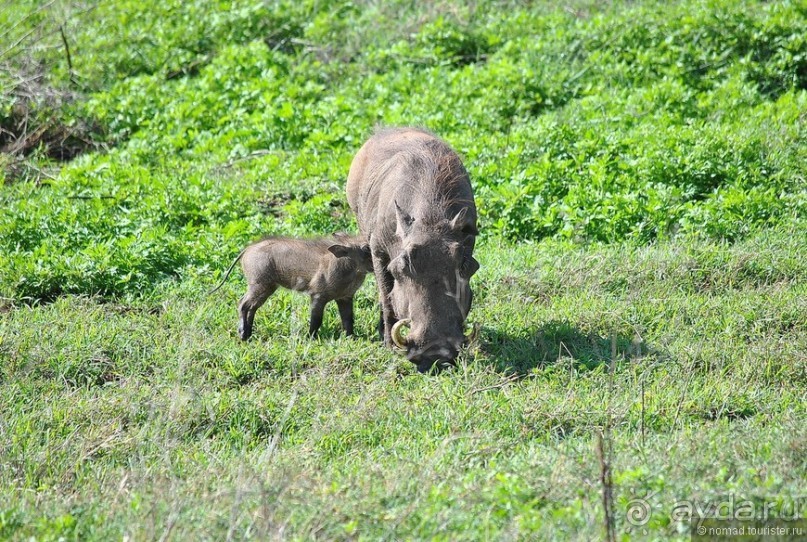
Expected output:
{"points": [[612, 124]]}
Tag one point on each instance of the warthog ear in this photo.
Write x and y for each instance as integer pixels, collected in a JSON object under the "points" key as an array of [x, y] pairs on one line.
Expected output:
{"points": [[404, 221], [463, 224], [339, 251], [470, 266]]}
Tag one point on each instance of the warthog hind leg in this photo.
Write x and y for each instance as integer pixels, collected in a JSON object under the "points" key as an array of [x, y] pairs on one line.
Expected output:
{"points": [[256, 295]]}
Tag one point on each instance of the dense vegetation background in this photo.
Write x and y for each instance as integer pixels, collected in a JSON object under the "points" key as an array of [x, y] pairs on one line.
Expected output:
{"points": [[640, 173]]}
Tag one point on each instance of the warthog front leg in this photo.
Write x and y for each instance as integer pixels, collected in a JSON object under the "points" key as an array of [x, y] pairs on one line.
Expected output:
{"points": [[385, 283], [346, 314], [317, 308]]}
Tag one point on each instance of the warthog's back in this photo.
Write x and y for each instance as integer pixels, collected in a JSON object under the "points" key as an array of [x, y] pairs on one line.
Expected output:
{"points": [[287, 262], [410, 167]]}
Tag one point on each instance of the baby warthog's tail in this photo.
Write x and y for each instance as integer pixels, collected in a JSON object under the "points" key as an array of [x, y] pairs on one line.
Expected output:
{"points": [[227, 274]]}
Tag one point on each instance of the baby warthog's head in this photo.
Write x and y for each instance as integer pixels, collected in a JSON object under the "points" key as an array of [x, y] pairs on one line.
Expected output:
{"points": [[355, 249], [432, 295]]}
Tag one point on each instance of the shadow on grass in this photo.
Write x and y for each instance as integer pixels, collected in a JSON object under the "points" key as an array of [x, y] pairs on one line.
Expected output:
{"points": [[556, 342]]}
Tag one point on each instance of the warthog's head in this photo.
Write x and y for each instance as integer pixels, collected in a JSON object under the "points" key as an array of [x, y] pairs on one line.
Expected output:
{"points": [[432, 296]]}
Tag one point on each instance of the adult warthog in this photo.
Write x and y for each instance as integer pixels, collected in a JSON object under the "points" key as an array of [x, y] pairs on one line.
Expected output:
{"points": [[413, 201]]}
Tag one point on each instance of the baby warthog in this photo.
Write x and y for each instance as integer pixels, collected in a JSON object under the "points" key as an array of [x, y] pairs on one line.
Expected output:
{"points": [[326, 269]]}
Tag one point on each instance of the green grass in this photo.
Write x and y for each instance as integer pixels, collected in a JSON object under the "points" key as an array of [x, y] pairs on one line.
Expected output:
{"points": [[639, 169], [139, 417]]}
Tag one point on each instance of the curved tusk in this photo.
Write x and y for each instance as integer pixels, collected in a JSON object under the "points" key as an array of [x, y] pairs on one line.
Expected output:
{"points": [[397, 338]]}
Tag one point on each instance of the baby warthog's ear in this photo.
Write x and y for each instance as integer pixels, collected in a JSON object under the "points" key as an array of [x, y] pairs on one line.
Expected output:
{"points": [[340, 251], [358, 254]]}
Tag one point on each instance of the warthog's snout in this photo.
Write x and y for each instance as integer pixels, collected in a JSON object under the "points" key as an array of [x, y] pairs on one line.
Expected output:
{"points": [[436, 353], [433, 357]]}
